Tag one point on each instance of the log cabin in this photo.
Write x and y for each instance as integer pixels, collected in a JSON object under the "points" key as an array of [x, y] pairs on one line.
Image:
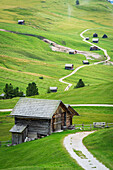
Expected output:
{"points": [[92, 48], [104, 36], [85, 62], [53, 89], [95, 40], [39, 117], [95, 35], [69, 66], [21, 22]]}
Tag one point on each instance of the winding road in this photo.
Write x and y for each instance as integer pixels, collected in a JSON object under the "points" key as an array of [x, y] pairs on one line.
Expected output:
{"points": [[105, 52], [73, 144]]}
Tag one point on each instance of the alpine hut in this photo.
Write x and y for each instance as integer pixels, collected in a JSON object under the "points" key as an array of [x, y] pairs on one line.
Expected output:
{"points": [[95, 40], [21, 22], [72, 51], [39, 117], [85, 62], [92, 48], [69, 66], [53, 89], [95, 35], [104, 36], [87, 38]]}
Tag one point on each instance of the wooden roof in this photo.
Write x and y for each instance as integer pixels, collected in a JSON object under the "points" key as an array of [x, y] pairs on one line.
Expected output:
{"points": [[53, 88], [68, 65], [18, 128], [72, 111], [38, 108]]}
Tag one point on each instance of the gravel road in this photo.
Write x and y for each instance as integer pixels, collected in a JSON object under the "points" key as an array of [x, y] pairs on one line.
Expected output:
{"points": [[73, 144]]}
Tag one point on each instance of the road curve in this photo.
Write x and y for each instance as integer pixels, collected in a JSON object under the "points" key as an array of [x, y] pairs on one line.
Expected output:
{"points": [[73, 144], [105, 52]]}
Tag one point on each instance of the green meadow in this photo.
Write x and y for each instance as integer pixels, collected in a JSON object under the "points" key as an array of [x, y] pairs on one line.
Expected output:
{"points": [[100, 144], [24, 59]]}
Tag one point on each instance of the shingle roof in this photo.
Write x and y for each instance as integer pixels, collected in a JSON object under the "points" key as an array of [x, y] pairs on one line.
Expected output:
{"points": [[40, 108], [18, 128], [68, 65], [53, 88]]}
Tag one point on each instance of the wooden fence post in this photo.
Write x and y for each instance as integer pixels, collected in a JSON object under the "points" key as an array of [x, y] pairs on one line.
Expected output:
{"points": [[82, 126]]}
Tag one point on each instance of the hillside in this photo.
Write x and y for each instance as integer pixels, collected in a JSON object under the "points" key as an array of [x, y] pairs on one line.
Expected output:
{"points": [[24, 59]]}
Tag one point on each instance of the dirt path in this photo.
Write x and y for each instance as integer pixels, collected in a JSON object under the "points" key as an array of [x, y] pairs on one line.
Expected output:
{"points": [[73, 144], [86, 54]]}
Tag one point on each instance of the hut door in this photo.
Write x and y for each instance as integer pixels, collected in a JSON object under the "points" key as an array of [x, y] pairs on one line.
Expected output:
{"points": [[58, 123], [64, 118]]}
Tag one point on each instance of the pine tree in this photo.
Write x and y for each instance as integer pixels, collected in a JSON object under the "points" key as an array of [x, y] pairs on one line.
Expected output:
{"points": [[77, 2], [32, 89], [80, 84]]}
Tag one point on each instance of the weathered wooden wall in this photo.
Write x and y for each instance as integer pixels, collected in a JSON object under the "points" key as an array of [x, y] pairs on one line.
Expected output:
{"points": [[39, 126]]}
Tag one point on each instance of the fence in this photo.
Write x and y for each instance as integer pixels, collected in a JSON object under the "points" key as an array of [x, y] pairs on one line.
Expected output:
{"points": [[93, 126], [5, 143]]}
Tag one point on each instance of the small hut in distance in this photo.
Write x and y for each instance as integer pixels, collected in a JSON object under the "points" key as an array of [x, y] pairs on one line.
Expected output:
{"points": [[85, 62], [21, 22], [69, 66], [53, 89], [95, 35], [72, 51], [95, 40], [92, 48], [104, 36]]}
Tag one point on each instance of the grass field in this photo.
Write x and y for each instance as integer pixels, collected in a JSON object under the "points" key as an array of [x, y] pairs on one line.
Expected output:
{"points": [[25, 59], [100, 144]]}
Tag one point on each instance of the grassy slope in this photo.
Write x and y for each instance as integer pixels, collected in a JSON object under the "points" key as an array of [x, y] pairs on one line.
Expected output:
{"points": [[58, 21], [100, 144], [24, 56], [47, 152]]}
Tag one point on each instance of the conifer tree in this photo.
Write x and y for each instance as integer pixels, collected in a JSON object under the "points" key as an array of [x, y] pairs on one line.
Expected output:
{"points": [[77, 2], [32, 89], [80, 84]]}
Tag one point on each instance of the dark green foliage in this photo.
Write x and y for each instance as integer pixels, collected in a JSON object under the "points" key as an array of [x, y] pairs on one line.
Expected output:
{"points": [[80, 84], [10, 92], [41, 78], [77, 2], [32, 89]]}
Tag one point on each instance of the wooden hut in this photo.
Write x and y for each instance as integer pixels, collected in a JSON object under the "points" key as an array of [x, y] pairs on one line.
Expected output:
{"points": [[72, 51], [87, 38], [53, 89], [21, 22], [92, 48], [85, 62], [95, 40], [104, 36], [34, 117], [69, 66], [95, 35]]}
